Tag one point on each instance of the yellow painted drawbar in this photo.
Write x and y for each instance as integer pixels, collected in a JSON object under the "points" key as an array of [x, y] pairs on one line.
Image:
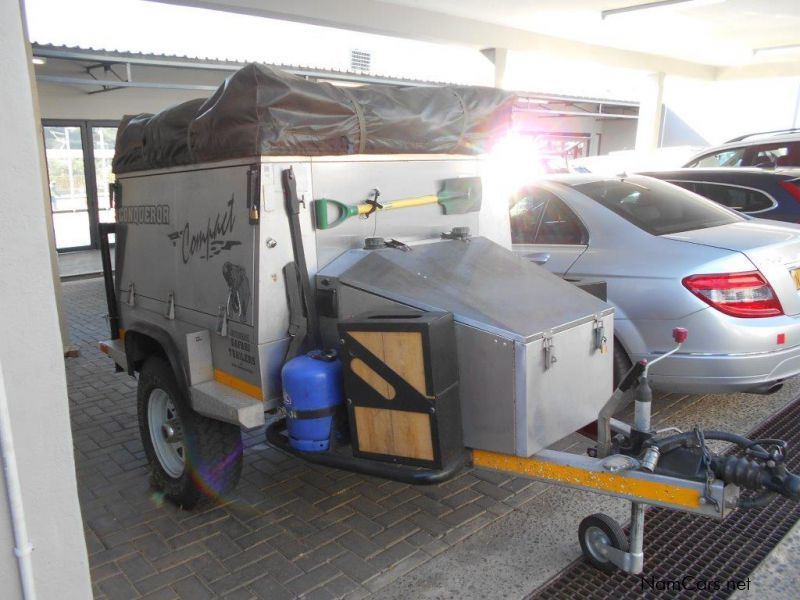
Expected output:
{"points": [[676, 493]]}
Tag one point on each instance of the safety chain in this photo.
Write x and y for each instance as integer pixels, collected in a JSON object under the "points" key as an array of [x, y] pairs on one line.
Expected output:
{"points": [[708, 497]]}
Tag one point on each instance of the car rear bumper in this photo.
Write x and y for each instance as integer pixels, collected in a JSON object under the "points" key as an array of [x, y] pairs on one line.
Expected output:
{"points": [[695, 374], [723, 354]]}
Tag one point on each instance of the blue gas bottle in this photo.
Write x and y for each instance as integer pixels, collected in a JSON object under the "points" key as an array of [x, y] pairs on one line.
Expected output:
{"points": [[312, 394]]}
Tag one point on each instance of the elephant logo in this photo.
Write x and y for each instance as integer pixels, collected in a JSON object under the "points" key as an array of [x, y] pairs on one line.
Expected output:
{"points": [[238, 290]]}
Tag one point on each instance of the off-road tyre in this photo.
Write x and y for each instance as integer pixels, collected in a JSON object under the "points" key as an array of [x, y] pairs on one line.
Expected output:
{"points": [[213, 449]]}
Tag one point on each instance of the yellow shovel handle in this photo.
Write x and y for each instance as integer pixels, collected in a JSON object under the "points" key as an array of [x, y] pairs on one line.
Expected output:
{"points": [[420, 201]]}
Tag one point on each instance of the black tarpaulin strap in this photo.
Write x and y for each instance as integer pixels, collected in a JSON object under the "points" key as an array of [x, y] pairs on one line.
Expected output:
{"points": [[460, 139], [362, 128]]}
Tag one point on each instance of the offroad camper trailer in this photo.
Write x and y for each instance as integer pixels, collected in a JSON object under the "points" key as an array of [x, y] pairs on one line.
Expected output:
{"points": [[335, 264]]}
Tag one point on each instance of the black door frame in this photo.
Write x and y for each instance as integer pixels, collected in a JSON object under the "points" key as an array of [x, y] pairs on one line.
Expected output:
{"points": [[90, 176]]}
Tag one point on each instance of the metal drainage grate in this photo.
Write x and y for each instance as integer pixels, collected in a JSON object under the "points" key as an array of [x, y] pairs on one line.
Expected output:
{"points": [[678, 544]]}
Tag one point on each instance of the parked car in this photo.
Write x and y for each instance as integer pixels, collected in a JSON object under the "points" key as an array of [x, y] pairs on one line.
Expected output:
{"points": [[672, 258], [768, 149], [767, 194]]}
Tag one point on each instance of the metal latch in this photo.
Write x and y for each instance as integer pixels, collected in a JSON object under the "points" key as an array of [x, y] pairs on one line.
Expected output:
{"points": [[253, 193], [600, 339], [222, 321], [170, 314], [549, 351]]}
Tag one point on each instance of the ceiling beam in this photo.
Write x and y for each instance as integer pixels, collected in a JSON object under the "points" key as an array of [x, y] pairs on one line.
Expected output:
{"points": [[760, 71], [371, 16], [229, 67]]}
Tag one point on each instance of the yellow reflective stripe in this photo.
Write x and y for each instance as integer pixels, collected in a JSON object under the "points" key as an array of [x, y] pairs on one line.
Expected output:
{"points": [[598, 480], [238, 384]]}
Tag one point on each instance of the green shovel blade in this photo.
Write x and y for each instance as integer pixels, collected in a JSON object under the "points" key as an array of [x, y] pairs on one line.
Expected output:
{"points": [[461, 195]]}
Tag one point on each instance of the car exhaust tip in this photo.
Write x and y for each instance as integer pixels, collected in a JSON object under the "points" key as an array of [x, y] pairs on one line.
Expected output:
{"points": [[768, 389]]}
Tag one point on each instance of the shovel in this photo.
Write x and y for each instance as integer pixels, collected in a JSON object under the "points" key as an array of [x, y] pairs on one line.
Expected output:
{"points": [[458, 196]]}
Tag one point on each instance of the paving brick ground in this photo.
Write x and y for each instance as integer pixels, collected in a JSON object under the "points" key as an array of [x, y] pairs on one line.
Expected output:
{"points": [[289, 530]]}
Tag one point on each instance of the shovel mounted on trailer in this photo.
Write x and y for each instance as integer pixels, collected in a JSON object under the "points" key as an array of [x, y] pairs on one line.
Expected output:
{"points": [[457, 196]]}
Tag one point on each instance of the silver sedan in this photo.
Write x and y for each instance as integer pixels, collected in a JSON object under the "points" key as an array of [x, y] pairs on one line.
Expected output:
{"points": [[672, 258]]}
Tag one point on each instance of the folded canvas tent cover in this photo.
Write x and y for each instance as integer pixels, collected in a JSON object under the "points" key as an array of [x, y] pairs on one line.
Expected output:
{"points": [[260, 110]]}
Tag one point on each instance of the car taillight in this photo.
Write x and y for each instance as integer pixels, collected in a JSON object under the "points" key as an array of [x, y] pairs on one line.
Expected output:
{"points": [[737, 294], [792, 188]]}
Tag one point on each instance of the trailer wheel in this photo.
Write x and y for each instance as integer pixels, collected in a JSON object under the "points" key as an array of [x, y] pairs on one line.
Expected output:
{"points": [[189, 454], [622, 363], [595, 532]]}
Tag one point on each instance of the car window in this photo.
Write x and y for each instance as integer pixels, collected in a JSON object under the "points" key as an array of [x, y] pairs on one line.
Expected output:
{"points": [[560, 225], [527, 208], [738, 198], [540, 217], [725, 158], [687, 185], [657, 207], [776, 155]]}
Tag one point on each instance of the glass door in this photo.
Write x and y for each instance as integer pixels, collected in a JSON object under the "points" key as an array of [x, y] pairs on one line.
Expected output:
{"points": [[67, 177], [103, 139], [79, 155]]}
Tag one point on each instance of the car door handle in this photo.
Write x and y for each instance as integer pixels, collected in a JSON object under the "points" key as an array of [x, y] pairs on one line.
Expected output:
{"points": [[538, 257]]}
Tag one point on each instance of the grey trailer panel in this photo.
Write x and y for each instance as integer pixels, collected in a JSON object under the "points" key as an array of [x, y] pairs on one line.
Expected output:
{"points": [[562, 397], [271, 357], [180, 232], [275, 244], [486, 369]]}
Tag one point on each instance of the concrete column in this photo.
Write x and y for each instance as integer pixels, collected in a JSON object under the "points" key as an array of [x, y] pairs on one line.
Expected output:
{"points": [[31, 351], [651, 113], [498, 57]]}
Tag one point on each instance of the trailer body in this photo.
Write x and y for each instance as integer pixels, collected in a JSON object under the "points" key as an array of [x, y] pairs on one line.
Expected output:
{"points": [[200, 252]]}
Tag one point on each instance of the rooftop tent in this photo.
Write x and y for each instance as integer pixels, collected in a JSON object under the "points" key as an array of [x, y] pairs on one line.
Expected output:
{"points": [[260, 110]]}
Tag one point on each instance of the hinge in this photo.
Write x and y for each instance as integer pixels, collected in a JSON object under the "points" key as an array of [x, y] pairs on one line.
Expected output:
{"points": [[253, 193], [114, 193], [131, 295], [549, 351]]}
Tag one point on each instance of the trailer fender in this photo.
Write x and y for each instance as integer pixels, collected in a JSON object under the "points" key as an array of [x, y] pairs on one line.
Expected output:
{"points": [[143, 340]]}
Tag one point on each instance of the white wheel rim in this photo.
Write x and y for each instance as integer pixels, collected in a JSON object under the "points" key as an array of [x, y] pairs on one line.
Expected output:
{"points": [[166, 432], [596, 539]]}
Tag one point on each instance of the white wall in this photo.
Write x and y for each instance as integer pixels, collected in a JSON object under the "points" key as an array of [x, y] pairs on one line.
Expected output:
{"points": [[30, 344], [64, 102], [711, 112], [74, 102], [618, 134]]}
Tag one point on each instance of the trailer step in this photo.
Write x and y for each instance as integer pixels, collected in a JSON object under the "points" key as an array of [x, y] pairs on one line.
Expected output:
{"points": [[680, 545], [115, 349], [222, 402]]}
